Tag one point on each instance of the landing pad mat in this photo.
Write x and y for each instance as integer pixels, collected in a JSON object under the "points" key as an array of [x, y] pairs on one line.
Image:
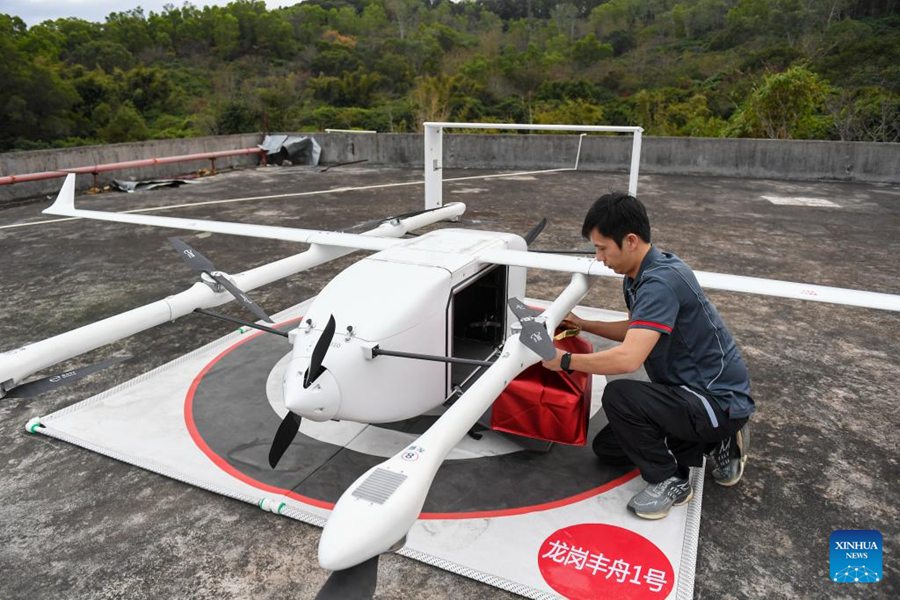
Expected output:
{"points": [[540, 523]]}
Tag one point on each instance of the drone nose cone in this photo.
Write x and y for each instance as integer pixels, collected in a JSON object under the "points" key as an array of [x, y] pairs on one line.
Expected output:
{"points": [[318, 402]]}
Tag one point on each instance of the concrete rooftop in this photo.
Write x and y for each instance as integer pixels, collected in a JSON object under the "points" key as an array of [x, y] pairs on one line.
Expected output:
{"points": [[76, 524]]}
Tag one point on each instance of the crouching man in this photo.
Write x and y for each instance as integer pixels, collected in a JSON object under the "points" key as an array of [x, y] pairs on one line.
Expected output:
{"points": [[698, 398]]}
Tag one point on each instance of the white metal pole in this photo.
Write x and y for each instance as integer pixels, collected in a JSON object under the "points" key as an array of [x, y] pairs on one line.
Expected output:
{"points": [[433, 165], [578, 154], [635, 162], [434, 149]]}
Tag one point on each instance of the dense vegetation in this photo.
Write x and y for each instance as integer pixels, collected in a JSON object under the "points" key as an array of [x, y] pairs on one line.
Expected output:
{"points": [[825, 69]]}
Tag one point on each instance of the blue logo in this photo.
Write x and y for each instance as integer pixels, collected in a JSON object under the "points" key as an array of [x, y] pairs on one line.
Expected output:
{"points": [[855, 556]]}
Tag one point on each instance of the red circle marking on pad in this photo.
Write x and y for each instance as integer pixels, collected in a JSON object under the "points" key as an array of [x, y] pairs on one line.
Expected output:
{"points": [[595, 560]]}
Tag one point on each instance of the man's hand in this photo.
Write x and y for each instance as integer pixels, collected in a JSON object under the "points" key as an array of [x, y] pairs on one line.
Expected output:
{"points": [[553, 365], [572, 322]]}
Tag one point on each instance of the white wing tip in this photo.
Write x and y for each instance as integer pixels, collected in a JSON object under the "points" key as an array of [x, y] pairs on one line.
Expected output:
{"points": [[65, 200]]}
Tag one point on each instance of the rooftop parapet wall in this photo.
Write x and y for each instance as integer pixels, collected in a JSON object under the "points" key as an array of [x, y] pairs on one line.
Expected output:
{"points": [[36, 161], [770, 159]]}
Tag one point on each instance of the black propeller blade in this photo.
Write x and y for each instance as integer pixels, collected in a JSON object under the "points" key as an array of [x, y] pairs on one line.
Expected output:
{"points": [[201, 264], [241, 297], [37, 387], [535, 231], [286, 433], [318, 354], [355, 583], [534, 335], [290, 425], [373, 222], [192, 257], [522, 310]]}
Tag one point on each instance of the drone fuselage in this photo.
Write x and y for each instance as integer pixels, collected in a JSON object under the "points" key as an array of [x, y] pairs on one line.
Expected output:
{"points": [[430, 295]]}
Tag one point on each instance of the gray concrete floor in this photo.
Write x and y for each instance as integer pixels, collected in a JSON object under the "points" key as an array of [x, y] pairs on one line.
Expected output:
{"points": [[78, 525]]}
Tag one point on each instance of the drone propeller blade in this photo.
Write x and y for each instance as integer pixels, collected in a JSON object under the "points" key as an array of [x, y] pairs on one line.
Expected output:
{"points": [[286, 433], [46, 384], [535, 231], [414, 213], [535, 337], [242, 298], [521, 310], [355, 583], [318, 354], [201, 264], [192, 257]]}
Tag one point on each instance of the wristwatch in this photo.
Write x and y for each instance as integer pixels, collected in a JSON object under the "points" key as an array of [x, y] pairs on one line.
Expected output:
{"points": [[565, 362]]}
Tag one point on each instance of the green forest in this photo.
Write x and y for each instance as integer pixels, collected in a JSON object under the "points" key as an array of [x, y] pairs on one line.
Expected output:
{"points": [[800, 69]]}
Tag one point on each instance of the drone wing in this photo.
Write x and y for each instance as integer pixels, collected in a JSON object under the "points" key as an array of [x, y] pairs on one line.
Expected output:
{"points": [[715, 281], [65, 206]]}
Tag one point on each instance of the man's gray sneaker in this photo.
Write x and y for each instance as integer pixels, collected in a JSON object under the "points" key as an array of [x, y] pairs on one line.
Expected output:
{"points": [[730, 457], [655, 500]]}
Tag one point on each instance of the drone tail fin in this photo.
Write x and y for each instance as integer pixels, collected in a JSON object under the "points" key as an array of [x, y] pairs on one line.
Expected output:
{"points": [[65, 200]]}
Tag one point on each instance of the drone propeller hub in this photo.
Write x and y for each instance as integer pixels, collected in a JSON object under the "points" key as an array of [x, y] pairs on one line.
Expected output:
{"points": [[318, 402]]}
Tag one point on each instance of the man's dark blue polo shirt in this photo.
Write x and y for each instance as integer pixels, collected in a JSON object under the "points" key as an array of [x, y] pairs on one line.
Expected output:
{"points": [[695, 349]]}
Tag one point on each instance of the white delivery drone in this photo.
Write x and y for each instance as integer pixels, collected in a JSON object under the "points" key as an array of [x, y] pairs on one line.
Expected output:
{"points": [[351, 352]]}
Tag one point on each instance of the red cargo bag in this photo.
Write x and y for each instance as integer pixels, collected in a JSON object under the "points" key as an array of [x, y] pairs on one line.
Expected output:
{"points": [[553, 406]]}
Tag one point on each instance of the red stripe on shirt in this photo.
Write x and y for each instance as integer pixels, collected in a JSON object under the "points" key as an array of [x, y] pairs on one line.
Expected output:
{"points": [[665, 328]]}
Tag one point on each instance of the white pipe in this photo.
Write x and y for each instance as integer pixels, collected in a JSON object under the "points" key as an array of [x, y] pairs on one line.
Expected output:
{"points": [[434, 155], [434, 149], [578, 153], [19, 363], [533, 127], [635, 163]]}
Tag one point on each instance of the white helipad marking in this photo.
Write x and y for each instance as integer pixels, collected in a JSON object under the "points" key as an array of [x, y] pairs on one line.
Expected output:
{"points": [[801, 201]]}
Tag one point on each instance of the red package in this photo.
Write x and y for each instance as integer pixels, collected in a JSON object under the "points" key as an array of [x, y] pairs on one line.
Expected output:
{"points": [[547, 405]]}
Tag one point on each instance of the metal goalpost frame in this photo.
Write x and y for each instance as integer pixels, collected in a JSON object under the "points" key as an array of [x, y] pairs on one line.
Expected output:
{"points": [[434, 158]]}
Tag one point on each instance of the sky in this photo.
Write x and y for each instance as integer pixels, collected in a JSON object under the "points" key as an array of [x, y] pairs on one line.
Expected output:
{"points": [[35, 11]]}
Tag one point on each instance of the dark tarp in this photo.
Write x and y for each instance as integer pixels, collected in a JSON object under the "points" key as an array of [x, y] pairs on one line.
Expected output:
{"points": [[296, 149]]}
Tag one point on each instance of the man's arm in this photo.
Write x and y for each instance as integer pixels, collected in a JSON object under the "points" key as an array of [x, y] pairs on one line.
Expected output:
{"points": [[624, 358], [611, 330]]}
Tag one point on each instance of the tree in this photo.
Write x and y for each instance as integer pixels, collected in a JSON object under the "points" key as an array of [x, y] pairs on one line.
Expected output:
{"points": [[237, 116], [129, 28], [784, 106], [866, 114], [126, 125], [35, 102], [581, 112], [433, 97], [226, 34], [588, 50]]}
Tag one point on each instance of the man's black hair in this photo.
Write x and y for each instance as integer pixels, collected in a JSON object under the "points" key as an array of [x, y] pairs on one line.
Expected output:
{"points": [[615, 215]]}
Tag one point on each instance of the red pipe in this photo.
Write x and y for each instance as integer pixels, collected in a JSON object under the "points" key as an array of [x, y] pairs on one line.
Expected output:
{"points": [[146, 162]]}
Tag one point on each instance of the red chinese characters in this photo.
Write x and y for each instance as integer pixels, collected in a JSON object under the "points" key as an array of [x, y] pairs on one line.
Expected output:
{"points": [[594, 560]]}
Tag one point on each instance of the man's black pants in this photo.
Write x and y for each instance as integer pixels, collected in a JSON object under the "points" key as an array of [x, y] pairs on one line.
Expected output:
{"points": [[663, 429]]}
